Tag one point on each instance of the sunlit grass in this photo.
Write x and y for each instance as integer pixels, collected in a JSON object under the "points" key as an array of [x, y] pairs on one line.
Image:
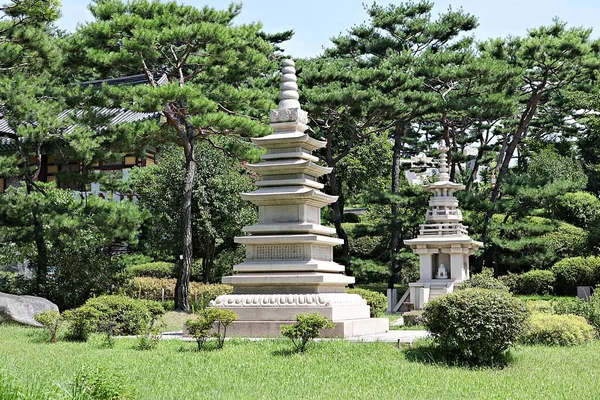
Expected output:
{"points": [[268, 370]]}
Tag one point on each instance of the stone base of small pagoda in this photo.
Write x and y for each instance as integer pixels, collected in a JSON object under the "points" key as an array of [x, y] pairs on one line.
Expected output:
{"points": [[425, 290], [261, 315]]}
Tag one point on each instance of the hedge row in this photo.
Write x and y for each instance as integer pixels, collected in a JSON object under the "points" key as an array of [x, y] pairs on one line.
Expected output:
{"points": [[161, 289], [562, 279]]}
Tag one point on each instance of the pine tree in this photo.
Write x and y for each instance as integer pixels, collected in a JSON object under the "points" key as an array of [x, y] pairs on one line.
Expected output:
{"points": [[206, 77]]}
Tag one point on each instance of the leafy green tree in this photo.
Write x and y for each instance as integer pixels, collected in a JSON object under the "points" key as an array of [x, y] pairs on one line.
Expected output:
{"points": [[341, 101], [80, 236], [553, 60], [396, 43], [218, 211], [205, 77]]}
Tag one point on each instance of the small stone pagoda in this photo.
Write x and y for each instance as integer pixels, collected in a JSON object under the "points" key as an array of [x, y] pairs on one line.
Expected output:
{"points": [[443, 243], [289, 267]]}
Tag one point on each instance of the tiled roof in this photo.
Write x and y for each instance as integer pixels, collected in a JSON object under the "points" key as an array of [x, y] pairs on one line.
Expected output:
{"points": [[139, 79], [117, 115]]}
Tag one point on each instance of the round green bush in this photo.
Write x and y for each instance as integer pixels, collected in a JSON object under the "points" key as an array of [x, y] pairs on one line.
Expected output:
{"points": [[577, 208], [375, 300], [366, 246], [125, 315], [159, 269], [567, 240], [532, 282], [557, 330], [484, 280], [476, 326], [573, 272]]}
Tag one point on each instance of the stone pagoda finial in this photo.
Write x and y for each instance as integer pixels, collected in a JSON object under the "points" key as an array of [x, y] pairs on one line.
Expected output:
{"points": [[289, 107], [288, 91], [443, 176]]}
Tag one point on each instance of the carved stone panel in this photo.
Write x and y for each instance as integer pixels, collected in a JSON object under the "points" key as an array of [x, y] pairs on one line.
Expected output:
{"points": [[279, 252], [320, 252]]}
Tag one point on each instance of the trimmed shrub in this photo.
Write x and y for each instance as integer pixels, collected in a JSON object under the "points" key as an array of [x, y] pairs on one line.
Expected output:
{"points": [[369, 271], [557, 330], [81, 323], [533, 282], [376, 301], [366, 246], [593, 312], [50, 319], [572, 306], [159, 269], [573, 272], [305, 329], [200, 327], [484, 280], [121, 315], [510, 280], [578, 208], [567, 240], [157, 289], [476, 326]]}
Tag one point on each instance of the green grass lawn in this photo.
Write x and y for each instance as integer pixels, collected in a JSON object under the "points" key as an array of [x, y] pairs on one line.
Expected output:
{"points": [[267, 370]]}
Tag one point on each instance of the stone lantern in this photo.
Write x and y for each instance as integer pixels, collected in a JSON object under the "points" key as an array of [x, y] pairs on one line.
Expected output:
{"points": [[443, 243]]}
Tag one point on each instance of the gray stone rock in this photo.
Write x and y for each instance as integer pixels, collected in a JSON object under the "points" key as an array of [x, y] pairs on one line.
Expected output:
{"points": [[22, 309]]}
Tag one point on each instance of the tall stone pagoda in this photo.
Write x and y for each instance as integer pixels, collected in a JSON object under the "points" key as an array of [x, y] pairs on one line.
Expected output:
{"points": [[443, 243], [289, 267]]}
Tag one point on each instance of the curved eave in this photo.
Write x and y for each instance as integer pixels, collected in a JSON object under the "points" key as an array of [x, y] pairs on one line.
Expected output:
{"points": [[289, 195], [289, 139], [445, 185], [283, 167]]}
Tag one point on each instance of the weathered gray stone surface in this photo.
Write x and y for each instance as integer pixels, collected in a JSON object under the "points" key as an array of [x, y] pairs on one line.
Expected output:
{"points": [[22, 309]]}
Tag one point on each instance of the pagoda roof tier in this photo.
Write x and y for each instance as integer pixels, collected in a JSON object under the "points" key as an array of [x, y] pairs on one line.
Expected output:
{"points": [[444, 185], [291, 166], [289, 227], [463, 240], [289, 266], [292, 155], [285, 195], [448, 201], [278, 140], [289, 239], [290, 182]]}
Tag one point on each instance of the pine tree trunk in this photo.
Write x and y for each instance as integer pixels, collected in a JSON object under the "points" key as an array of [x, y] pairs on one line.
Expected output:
{"points": [[396, 171], [337, 209], [209, 262], [41, 259], [183, 280]]}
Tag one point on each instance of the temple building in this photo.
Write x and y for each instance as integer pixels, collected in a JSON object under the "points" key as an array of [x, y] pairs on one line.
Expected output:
{"points": [[53, 164]]}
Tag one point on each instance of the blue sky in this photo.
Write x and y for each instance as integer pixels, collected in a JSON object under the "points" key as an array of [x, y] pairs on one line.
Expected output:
{"points": [[316, 21]]}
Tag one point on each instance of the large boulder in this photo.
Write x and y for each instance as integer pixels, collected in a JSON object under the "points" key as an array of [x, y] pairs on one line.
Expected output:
{"points": [[22, 309]]}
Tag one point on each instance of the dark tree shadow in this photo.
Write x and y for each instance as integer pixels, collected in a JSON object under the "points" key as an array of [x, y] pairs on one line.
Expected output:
{"points": [[192, 347], [431, 354], [287, 352]]}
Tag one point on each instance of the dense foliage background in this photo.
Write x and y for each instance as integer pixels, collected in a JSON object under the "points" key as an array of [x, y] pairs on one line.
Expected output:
{"points": [[520, 116]]}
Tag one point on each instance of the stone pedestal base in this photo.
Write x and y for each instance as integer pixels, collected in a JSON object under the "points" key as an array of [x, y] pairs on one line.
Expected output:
{"points": [[425, 290], [261, 315]]}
